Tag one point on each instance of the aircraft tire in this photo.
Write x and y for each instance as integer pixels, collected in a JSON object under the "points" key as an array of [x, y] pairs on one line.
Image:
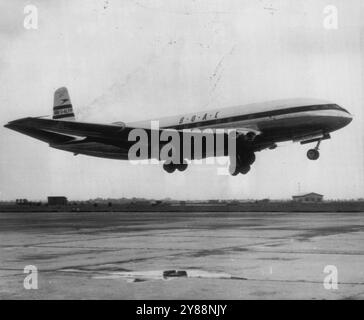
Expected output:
{"points": [[313, 154], [251, 158], [247, 158], [245, 169], [234, 171], [170, 168], [182, 166]]}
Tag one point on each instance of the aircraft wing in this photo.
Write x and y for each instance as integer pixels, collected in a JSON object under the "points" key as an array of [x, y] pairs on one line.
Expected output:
{"points": [[85, 129], [60, 131], [45, 136], [71, 128], [63, 132]]}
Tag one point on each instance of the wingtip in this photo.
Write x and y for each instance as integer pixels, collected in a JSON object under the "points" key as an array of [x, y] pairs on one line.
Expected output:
{"points": [[15, 123]]}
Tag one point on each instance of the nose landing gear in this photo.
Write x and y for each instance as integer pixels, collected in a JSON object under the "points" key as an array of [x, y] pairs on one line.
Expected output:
{"points": [[314, 154]]}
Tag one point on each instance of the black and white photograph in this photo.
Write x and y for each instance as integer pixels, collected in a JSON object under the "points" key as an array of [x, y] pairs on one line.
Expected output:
{"points": [[174, 150]]}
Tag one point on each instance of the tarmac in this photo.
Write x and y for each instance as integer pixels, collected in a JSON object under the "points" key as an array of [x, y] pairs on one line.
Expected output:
{"points": [[182, 255]]}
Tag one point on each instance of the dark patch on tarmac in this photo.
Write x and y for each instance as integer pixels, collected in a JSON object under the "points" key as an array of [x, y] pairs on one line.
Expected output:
{"points": [[101, 222], [213, 252], [48, 256], [98, 269], [306, 234], [187, 253], [239, 249], [278, 259], [328, 231], [204, 253], [273, 244]]}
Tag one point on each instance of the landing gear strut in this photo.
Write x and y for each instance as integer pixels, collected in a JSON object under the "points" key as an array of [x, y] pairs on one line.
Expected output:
{"points": [[314, 154]]}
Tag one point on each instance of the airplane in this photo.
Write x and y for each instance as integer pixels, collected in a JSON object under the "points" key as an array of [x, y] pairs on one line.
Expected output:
{"points": [[257, 127]]}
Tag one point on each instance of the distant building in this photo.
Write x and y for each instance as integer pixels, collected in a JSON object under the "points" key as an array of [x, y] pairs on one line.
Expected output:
{"points": [[57, 201], [308, 197], [22, 201]]}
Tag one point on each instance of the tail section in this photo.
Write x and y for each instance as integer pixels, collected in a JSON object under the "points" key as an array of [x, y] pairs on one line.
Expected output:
{"points": [[62, 106]]}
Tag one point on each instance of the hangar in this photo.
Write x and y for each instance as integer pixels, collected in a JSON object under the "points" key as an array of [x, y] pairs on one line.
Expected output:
{"points": [[57, 201], [308, 197]]}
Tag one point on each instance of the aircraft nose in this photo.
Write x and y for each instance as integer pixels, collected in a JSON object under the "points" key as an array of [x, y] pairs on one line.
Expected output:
{"points": [[345, 118], [349, 117]]}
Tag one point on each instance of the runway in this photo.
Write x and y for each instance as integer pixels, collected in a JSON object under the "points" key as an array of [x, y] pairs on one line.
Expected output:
{"points": [[222, 255]]}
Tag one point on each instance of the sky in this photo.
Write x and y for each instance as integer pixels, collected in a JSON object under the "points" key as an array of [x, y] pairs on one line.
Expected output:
{"points": [[133, 60]]}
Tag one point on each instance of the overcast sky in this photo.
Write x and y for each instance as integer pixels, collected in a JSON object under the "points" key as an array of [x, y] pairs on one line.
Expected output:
{"points": [[134, 60]]}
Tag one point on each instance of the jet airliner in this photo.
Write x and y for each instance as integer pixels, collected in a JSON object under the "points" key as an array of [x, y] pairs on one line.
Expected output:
{"points": [[258, 126]]}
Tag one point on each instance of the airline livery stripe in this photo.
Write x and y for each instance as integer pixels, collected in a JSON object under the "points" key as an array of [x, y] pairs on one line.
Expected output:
{"points": [[254, 116], [63, 111], [60, 116], [62, 107]]}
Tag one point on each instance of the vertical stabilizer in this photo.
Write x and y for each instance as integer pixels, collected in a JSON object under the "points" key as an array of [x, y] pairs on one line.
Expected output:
{"points": [[62, 106]]}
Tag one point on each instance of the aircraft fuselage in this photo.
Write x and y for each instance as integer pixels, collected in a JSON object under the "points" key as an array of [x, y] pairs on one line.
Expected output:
{"points": [[261, 125]]}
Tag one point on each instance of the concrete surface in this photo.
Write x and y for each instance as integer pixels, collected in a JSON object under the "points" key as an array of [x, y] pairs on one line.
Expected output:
{"points": [[225, 255]]}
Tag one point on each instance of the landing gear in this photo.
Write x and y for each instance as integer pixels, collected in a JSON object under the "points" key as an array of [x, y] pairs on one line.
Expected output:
{"points": [[182, 166], [172, 167], [234, 171], [248, 158], [245, 169], [242, 163], [314, 154]]}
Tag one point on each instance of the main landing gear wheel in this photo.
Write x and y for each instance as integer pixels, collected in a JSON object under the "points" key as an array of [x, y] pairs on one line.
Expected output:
{"points": [[234, 171], [242, 164], [313, 154], [171, 167], [245, 169], [250, 158], [182, 166]]}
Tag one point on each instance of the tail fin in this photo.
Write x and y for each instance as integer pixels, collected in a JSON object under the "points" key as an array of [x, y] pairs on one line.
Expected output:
{"points": [[62, 106]]}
